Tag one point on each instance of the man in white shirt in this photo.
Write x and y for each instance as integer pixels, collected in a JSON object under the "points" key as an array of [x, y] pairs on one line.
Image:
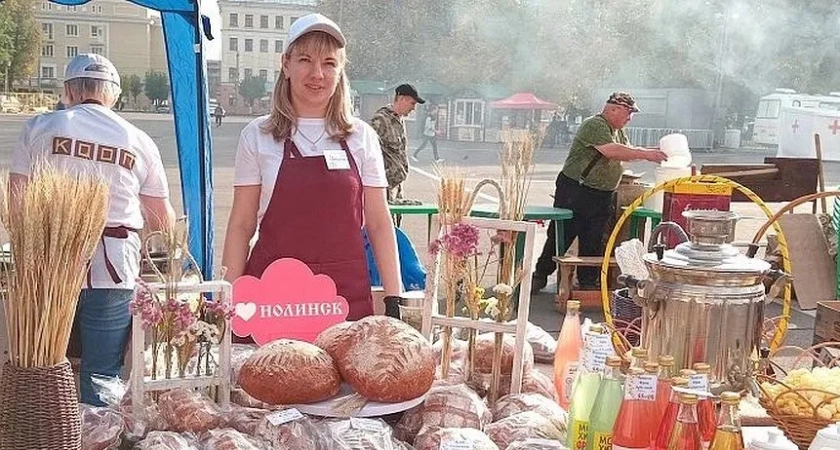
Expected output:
{"points": [[89, 138], [429, 135]]}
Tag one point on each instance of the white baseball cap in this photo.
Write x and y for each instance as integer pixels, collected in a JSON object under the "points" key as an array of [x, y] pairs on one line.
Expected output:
{"points": [[314, 22], [89, 65]]}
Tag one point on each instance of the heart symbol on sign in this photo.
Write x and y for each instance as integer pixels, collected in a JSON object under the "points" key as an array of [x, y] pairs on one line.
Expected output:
{"points": [[246, 310]]}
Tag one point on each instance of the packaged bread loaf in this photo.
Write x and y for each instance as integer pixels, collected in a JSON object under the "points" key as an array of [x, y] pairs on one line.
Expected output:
{"points": [[238, 396], [287, 428], [457, 361], [484, 348], [445, 406], [101, 428], [329, 339], [536, 382], [362, 434], [187, 410], [454, 438], [525, 425], [537, 444], [167, 440], [244, 420], [287, 372], [517, 403], [228, 439], [386, 360]]}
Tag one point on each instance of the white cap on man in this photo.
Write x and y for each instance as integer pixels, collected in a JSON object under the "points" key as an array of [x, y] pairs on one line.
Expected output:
{"points": [[90, 65], [314, 22]]}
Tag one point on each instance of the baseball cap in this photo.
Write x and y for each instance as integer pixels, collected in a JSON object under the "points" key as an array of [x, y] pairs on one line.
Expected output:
{"points": [[623, 99], [407, 89], [89, 65], [314, 22]]}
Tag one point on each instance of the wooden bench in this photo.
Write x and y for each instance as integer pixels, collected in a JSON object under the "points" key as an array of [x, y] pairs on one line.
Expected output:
{"points": [[565, 279]]}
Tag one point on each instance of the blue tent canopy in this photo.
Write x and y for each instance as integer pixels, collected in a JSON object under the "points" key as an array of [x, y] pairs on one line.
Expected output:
{"points": [[182, 34]]}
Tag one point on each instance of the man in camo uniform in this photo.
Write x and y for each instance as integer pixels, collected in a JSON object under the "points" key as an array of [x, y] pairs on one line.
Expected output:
{"points": [[388, 123]]}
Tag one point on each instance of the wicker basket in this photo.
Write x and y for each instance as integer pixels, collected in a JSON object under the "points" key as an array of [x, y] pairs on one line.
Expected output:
{"points": [[39, 409], [800, 429]]}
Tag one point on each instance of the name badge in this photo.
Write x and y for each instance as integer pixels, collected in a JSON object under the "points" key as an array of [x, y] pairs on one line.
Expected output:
{"points": [[336, 159]]}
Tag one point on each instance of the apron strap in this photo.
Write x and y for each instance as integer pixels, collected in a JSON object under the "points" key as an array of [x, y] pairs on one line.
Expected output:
{"points": [[346, 148], [290, 150]]}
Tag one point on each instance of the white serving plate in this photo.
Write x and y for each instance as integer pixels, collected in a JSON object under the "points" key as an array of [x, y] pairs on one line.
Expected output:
{"points": [[327, 407]]}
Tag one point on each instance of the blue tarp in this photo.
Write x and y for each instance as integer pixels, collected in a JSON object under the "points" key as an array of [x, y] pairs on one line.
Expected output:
{"points": [[187, 74]]}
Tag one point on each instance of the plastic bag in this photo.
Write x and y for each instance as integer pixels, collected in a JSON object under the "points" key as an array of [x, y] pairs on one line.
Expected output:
{"points": [[517, 403], [440, 438], [413, 272], [167, 440], [187, 410], [288, 428], [244, 419], [444, 407], [537, 444], [361, 434], [229, 439], [543, 344], [114, 392], [102, 428], [525, 425]]}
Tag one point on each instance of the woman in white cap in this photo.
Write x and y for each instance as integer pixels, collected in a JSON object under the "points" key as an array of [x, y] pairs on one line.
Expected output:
{"points": [[311, 176], [88, 137]]}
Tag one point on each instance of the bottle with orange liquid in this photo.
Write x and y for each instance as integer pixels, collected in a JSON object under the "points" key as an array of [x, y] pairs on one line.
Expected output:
{"points": [[670, 417], [663, 386], [567, 355], [686, 432], [633, 428], [705, 407], [728, 434]]}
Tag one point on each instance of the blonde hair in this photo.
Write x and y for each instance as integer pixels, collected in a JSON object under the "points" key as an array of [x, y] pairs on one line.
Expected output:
{"points": [[282, 120], [78, 90]]}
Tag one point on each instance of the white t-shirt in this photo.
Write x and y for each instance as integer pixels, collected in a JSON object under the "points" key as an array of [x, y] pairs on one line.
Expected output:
{"points": [[92, 139], [429, 128], [258, 156]]}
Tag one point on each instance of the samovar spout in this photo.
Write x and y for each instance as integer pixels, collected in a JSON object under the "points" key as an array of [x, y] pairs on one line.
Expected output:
{"points": [[638, 290], [666, 226]]}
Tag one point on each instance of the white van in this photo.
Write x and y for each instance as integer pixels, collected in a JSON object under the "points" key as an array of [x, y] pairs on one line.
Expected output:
{"points": [[768, 117]]}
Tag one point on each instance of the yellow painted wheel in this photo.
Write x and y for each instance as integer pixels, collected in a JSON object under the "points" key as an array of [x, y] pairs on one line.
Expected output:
{"points": [[781, 329]]}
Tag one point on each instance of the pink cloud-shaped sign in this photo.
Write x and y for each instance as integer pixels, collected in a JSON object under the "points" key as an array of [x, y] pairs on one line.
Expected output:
{"points": [[288, 302]]}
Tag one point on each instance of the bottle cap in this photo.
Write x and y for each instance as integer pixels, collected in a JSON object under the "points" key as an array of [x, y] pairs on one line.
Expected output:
{"points": [[597, 329], [702, 367], [651, 367], [688, 399], [573, 304], [639, 352], [637, 371], [679, 381], [666, 360], [613, 361], [730, 398], [687, 372]]}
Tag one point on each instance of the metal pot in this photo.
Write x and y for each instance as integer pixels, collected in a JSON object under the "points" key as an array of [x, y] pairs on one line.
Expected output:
{"points": [[705, 300]]}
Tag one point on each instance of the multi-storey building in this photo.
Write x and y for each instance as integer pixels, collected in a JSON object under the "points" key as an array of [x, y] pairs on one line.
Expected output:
{"points": [[253, 35], [129, 35]]}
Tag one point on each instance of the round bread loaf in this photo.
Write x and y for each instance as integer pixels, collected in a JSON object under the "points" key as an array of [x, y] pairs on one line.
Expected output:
{"points": [[445, 438], [386, 360], [332, 336], [485, 346], [287, 372]]}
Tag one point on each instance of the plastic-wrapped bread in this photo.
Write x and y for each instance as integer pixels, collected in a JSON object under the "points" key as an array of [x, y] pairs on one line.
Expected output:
{"points": [[167, 440], [186, 410], [525, 425], [537, 444], [239, 397], [287, 372], [239, 353], [228, 439], [386, 360], [244, 420], [454, 438], [536, 382], [330, 338], [517, 403], [484, 348], [362, 434], [457, 361], [543, 344], [445, 407], [287, 428], [101, 428]]}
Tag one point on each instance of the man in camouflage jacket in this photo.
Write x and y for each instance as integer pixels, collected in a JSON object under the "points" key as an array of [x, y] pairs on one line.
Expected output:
{"points": [[388, 123]]}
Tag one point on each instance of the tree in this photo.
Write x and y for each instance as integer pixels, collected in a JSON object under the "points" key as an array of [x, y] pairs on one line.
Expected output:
{"points": [[20, 39], [156, 87], [252, 88], [133, 86]]}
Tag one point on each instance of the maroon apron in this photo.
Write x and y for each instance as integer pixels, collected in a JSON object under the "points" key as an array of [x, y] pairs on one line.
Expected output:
{"points": [[316, 215]]}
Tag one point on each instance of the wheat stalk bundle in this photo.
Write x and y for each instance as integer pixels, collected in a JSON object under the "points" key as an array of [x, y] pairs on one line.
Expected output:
{"points": [[54, 224]]}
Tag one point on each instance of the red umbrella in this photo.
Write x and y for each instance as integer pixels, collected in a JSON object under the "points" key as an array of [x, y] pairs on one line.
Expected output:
{"points": [[523, 100]]}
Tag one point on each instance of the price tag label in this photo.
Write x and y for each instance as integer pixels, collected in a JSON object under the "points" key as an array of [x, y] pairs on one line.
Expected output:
{"points": [[373, 426], [278, 418], [640, 387], [569, 375], [456, 445], [599, 347], [699, 382]]}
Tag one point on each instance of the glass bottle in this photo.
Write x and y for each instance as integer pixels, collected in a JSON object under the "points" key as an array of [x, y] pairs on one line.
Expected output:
{"points": [[602, 419], [663, 387], [705, 407], [670, 417], [583, 396], [567, 355], [728, 433], [638, 357], [686, 432], [632, 429]]}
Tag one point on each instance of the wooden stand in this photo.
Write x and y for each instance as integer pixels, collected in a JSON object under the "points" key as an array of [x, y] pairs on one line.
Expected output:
{"points": [[432, 317], [140, 383]]}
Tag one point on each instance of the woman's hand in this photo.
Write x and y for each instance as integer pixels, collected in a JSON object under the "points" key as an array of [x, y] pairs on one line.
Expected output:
{"points": [[242, 224]]}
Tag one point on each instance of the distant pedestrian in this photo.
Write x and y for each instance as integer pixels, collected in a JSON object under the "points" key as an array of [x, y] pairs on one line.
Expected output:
{"points": [[429, 135], [388, 123], [219, 113]]}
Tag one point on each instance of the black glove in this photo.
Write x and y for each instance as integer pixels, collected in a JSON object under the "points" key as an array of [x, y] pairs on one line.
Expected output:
{"points": [[392, 306]]}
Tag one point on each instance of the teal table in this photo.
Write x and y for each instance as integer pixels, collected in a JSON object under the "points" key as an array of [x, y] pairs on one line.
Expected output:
{"points": [[426, 209], [639, 218], [534, 213]]}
